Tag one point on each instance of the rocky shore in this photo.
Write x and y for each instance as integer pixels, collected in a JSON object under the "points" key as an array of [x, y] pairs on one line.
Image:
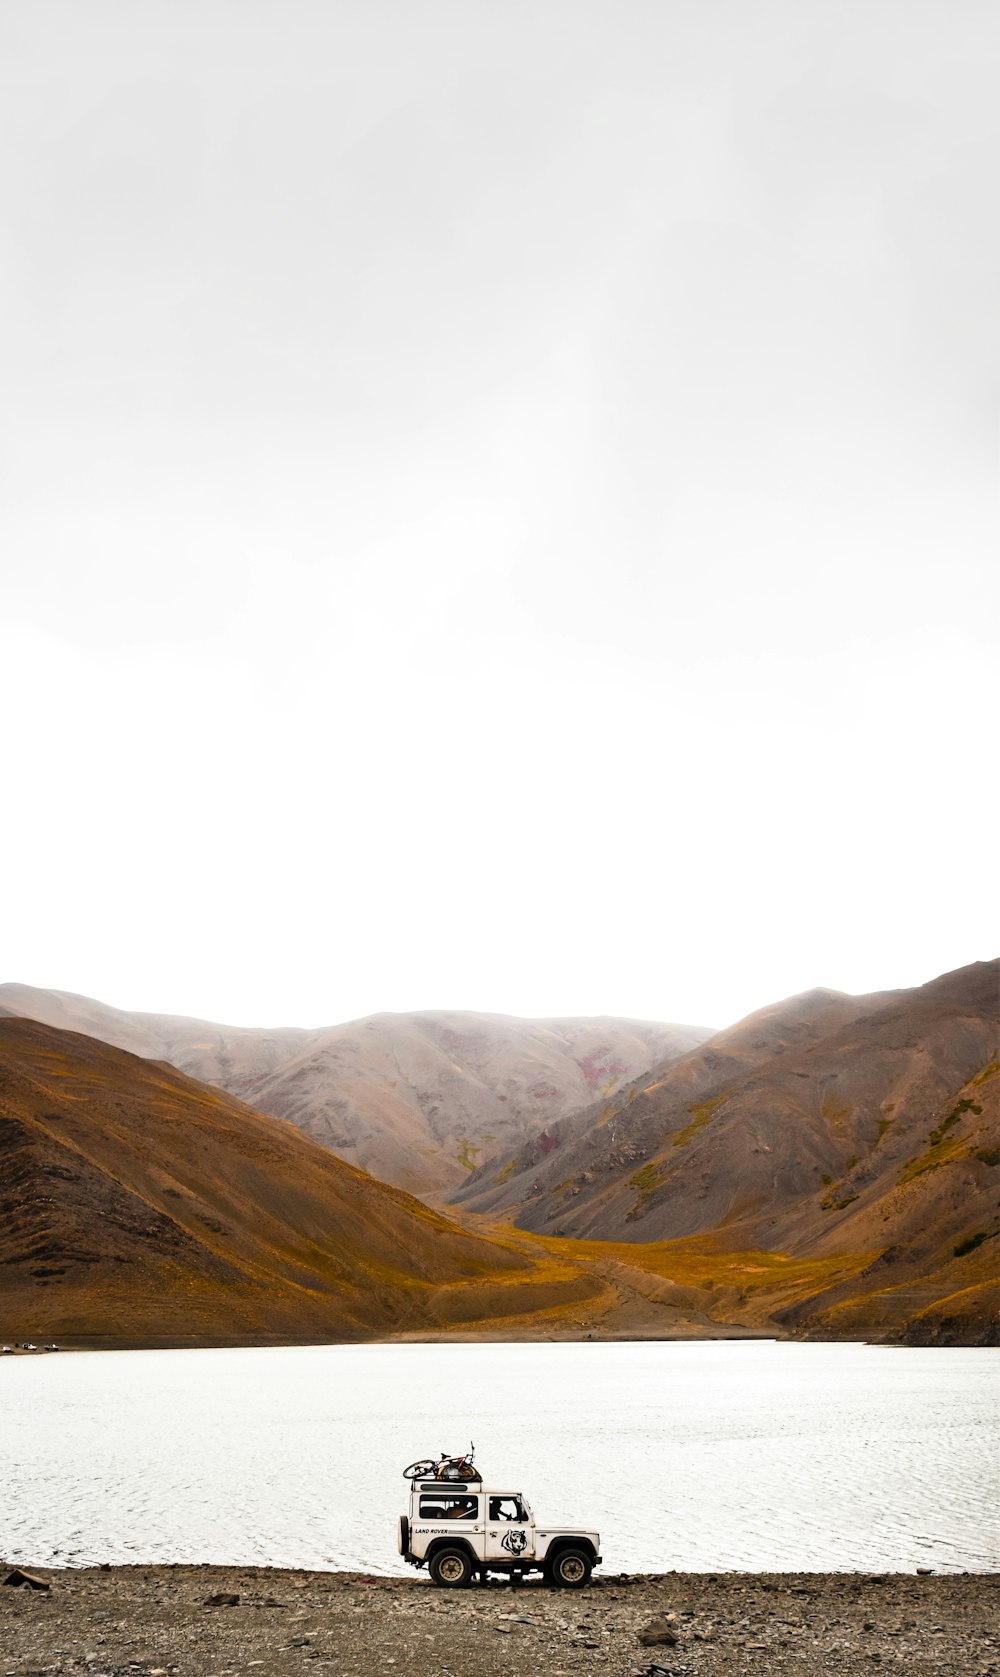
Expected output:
{"points": [[190, 1621]]}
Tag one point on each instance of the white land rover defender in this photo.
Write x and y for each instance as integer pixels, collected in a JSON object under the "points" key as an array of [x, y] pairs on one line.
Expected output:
{"points": [[457, 1529]]}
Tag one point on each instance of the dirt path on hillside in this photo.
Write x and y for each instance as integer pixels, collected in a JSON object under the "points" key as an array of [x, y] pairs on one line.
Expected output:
{"points": [[629, 1302], [159, 1621]]}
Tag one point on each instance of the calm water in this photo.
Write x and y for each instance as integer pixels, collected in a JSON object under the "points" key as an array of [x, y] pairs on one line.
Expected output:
{"points": [[699, 1457]]}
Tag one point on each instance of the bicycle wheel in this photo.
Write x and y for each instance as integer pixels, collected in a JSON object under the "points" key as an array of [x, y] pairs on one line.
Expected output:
{"points": [[420, 1470]]}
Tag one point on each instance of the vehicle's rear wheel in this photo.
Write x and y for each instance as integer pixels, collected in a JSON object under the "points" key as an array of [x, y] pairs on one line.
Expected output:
{"points": [[451, 1569], [570, 1569]]}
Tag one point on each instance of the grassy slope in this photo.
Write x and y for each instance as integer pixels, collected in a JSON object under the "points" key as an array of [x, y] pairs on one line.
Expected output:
{"points": [[139, 1207]]}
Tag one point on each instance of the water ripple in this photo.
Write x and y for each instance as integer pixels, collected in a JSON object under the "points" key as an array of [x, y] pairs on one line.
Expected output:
{"points": [[700, 1457]]}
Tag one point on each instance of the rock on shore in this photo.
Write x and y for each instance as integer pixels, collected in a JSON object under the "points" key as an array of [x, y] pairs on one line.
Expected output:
{"points": [[187, 1621]]}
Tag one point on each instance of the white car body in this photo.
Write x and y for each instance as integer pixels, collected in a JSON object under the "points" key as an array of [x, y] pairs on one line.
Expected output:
{"points": [[496, 1529]]}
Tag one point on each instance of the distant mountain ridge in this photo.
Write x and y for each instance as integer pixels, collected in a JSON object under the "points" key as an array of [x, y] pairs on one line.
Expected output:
{"points": [[416, 1099], [232, 1057]]}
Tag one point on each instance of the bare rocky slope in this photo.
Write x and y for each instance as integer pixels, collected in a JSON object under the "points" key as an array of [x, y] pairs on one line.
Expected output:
{"points": [[138, 1207], [827, 1124], [416, 1099]]}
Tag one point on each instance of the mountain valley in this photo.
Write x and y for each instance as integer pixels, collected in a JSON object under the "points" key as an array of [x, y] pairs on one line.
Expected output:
{"points": [[416, 1099], [827, 1168]]}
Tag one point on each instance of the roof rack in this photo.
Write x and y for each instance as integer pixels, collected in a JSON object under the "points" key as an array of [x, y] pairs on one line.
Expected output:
{"points": [[445, 1484]]}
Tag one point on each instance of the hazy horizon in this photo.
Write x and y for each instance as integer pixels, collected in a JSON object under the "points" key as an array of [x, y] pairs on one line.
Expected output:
{"points": [[312, 1023], [499, 504]]}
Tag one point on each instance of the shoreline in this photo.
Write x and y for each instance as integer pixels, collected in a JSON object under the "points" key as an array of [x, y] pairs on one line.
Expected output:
{"points": [[737, 1335], [420, 1337], [143, 1620]]}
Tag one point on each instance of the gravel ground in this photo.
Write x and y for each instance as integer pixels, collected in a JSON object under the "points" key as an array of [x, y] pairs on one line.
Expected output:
{"points": [[157, 1622]]}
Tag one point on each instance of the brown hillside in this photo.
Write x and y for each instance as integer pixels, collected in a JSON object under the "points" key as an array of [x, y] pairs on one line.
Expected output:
{"points": [[417, 1099], [139, 1207], [230, 1056], [828, 1125], [579, 1172]]}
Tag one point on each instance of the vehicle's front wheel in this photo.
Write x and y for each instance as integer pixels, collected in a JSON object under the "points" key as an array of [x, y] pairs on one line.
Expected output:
{"points": [[451, 1569], [571, 1569]]}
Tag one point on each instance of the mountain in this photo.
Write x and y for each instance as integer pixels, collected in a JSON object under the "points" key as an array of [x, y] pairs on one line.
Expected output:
{"points": [[580, 1172], [414, 1098], [828, 1168], [140, 1207], [232, 1057], [417, 1098], [824, 1125]]}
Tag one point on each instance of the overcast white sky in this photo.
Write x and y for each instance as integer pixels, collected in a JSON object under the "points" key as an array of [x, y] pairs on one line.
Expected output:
{"points": [[499, 501]]}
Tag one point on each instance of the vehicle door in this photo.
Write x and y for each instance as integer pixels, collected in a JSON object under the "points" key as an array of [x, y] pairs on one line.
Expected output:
{"points": [[510, 1531], [452, 1512]]}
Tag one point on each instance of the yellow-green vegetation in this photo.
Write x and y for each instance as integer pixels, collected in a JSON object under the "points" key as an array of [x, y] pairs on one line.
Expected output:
{"points": [[648, 1177], [942, 1155], [704, 1262], [987, 1155], [653, 1174], [937, 1135], [838, 1205], [702, 1114], [507, 1172], [940, 1150], [607, 1112], [982, 1076], [467, 1154]]}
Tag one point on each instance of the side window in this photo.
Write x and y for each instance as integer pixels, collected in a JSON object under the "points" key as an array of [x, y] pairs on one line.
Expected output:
{"points": [[449, 1507], [507, 1508]]}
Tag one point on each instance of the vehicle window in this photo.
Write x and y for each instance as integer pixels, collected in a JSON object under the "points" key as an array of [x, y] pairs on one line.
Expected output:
{"points": [[507, 1508], [449, 1507]]}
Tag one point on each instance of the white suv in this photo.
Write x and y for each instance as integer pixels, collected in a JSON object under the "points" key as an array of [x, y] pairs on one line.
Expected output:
{"points": [[457, 1530]]}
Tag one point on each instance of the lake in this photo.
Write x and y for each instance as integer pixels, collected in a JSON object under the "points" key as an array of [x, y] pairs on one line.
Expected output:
{"points": [[700, 1457]]}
